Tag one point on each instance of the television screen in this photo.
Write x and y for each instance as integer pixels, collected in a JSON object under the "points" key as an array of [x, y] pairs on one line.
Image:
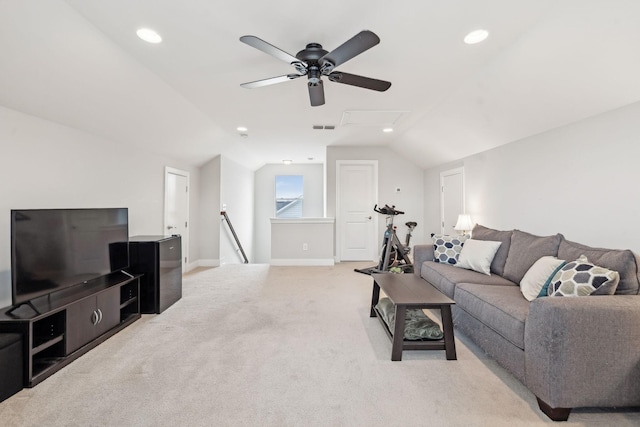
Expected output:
{"points": [[52, 249]]}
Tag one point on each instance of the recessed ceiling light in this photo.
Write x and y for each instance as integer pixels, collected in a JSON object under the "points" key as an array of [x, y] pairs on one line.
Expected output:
{"points": [[149, 35], [287, 162], [387, 130], [241, 129], [476, 36]]}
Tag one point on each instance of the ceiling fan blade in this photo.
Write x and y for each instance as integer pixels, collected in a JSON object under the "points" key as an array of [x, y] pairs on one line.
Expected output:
{"points": [[271, 81], [268, 48], [354, 46], [360, 81], [316, 93]]}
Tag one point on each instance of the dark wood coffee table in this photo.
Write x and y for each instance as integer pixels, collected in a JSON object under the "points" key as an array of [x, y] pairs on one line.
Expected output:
{"points": [[410, 291]]}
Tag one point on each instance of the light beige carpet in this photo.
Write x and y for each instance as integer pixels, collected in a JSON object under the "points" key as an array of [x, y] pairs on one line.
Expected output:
{"points": [[253, 345]]}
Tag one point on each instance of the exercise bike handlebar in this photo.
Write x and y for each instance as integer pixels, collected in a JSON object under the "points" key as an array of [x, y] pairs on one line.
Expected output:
{"points": [[387, 210]]}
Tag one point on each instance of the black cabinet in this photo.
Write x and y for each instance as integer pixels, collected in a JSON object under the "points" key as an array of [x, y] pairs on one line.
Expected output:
{"points": [[61, 327], [11, 364], [159, 260], [92, 317]]}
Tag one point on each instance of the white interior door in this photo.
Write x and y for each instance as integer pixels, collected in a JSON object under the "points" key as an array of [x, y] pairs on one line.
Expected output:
{"points": [[176, 208], [452, 199], [356, 225]]}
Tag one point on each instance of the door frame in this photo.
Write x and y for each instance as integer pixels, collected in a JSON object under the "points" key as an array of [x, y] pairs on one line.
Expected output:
{"points": [[339, 165], [185, 247], [455, 171]]}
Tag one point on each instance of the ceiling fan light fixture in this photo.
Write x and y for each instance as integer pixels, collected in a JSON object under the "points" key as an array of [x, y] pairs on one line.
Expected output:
{"points": [[476, 36], [149, 35]]}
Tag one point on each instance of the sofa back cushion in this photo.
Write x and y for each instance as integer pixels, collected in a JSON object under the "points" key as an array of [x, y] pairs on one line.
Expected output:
{"points": [[525, 250], [481, 232], [624, 262]]}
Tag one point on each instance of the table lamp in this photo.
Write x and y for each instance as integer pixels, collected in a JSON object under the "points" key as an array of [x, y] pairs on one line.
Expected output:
{"points": [[464, 223]]}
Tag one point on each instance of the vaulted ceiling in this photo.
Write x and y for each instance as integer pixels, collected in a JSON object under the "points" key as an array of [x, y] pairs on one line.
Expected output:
{"points": [[545, 63]]}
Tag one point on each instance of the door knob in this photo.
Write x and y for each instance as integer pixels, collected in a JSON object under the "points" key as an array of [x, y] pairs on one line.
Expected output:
{"points": [[169, 227]]}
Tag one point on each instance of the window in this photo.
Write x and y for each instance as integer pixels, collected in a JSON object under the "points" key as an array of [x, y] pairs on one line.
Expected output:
{"points": [[289, 195]]}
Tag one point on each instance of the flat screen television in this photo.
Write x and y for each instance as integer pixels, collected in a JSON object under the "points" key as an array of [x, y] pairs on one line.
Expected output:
{"points": [[53, 249]]}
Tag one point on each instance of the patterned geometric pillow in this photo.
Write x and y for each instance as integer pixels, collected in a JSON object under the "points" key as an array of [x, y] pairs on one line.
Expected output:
{"points": [[580, 278], [446, 249]]}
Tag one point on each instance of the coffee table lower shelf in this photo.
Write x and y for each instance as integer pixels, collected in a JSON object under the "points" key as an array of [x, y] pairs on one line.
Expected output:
{"points": [[409, 291], [411, 344]]}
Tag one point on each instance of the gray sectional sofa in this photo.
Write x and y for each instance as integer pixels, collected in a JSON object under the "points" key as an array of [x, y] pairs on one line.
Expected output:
{"points": [[569, 351]]}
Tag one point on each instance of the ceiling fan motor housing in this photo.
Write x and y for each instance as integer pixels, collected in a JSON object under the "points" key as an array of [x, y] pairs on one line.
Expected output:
{"points": [[312, 55]]}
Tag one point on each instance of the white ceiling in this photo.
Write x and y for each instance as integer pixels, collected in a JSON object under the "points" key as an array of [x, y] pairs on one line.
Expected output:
{"points": [[546, 63]]}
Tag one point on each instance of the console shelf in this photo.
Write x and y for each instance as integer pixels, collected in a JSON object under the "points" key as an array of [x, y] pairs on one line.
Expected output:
{"points": [[45, 345], [59, 328]]}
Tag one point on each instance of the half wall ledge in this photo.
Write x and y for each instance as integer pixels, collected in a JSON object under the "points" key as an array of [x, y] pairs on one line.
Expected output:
{"points": [[302, 241]]}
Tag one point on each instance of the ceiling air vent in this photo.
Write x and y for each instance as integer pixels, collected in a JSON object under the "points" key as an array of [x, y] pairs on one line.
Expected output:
{"points": [[325, 127]]}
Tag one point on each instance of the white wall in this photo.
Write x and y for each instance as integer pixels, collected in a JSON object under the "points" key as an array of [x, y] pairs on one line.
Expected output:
{"points": [[265, 196], [210, 213], [236, 192], [580, 180], [302, 241], [46, 165], [393, 171]]}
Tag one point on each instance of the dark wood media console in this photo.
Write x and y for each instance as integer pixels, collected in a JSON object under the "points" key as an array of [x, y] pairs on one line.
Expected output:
{"points": [[71, 322]]}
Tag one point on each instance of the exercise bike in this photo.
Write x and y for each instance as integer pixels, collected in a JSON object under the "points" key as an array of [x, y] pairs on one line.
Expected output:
{"points": [[394, 256]]}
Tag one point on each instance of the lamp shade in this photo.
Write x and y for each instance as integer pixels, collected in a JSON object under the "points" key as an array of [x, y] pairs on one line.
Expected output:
{"points": [[464, 223]]}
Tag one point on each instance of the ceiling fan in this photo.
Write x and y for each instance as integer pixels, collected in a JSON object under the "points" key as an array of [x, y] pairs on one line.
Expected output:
{"points": [[315, 62]]}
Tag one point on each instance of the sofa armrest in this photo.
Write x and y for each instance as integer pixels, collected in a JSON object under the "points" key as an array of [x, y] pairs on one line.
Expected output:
{"points": [[584, 351], [421, 253]]}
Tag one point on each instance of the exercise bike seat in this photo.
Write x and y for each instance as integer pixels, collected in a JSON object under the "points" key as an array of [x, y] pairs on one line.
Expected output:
{"points": [[411, 224]]}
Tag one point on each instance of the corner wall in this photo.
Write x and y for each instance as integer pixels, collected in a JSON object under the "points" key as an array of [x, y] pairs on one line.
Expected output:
{"points": [[236, 195], [209, 214], [580, 180], [47, 165]]}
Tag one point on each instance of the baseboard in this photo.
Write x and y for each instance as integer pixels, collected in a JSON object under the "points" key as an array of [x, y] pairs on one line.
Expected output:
{"points": [[208, 263], [202, 263], [302, 261]]}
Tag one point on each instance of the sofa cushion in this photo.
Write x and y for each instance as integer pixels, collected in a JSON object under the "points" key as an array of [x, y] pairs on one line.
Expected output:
{"points": [[481, 232], [539, 273], [447, 248], [444, 277], [477, 255], [624, 262], [525, 250], [581, 278], [501, 308]]}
